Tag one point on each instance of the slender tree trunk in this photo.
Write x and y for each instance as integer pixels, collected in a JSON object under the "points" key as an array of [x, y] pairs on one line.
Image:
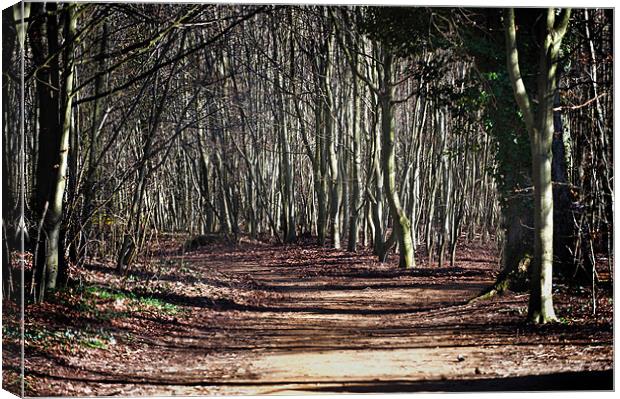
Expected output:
{"points": [[402, 229], [286, 169], [320, 177], [335, 193], [93, 147], [8, 171], [130, 238], [377, 201], [133, 230], [356, 200]]}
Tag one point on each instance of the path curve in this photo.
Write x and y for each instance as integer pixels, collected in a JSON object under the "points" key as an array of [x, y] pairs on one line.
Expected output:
{"points": [[265, 319]]}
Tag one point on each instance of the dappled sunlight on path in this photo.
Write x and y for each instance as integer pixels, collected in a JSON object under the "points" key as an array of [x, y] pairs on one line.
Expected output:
{"points": [[288, 319]]}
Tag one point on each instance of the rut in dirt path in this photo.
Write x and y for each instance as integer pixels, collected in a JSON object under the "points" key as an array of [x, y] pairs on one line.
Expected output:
{"points": [[289, 319]]}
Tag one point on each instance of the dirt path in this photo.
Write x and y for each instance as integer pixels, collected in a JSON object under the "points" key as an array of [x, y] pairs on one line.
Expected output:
{"points": [[265, 319]]}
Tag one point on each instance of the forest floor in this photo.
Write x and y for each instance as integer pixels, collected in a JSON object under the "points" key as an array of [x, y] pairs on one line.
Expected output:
{"points": [[260, 318]]}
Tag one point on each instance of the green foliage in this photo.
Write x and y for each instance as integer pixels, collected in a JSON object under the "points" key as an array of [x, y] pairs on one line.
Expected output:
{"points": [[565, 321], [501, 119], [154, 303], [406, 31], [512, 141], [133, 302], [103, 293], [95, 343], [99, 303], [106, 304], [69, 337]]}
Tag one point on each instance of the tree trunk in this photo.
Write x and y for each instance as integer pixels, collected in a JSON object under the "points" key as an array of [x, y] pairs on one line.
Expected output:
{"points": [[286, 169], [356, 178], [539, 124], [49, 268], [8, 134], [320, 176], [563, 226], [93, 147], [402, 229]]}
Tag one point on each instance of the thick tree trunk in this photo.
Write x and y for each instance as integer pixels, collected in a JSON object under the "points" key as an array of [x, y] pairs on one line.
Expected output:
{"points": [[54, 216], [540, 127], [540, 308], [48, 124], [54, 132], [563, 226]]}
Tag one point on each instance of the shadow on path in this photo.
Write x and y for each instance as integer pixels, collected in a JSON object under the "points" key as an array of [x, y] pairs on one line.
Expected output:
{"points": [[573, 381]]}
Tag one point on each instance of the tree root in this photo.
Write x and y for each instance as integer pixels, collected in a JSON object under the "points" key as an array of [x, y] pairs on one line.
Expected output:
{"points": [[499, 287], [509, 277]]}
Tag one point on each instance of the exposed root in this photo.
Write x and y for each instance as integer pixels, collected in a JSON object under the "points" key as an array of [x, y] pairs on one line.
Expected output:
{"points": [[500, 286], [509, 277]]}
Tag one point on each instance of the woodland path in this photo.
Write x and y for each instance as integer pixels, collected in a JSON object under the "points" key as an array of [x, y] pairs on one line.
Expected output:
{"points": [[262, 319]]}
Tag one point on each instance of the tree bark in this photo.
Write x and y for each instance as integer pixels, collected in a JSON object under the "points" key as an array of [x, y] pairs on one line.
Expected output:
{"points": [[356, 202], [539, 124], [58, 171], [402, 228]]}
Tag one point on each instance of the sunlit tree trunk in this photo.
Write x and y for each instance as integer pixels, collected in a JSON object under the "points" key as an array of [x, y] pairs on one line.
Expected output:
{"points": [[402, 229], [52, 172], [539, 124], [286, 169], [356, 170], [332, 156]]}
